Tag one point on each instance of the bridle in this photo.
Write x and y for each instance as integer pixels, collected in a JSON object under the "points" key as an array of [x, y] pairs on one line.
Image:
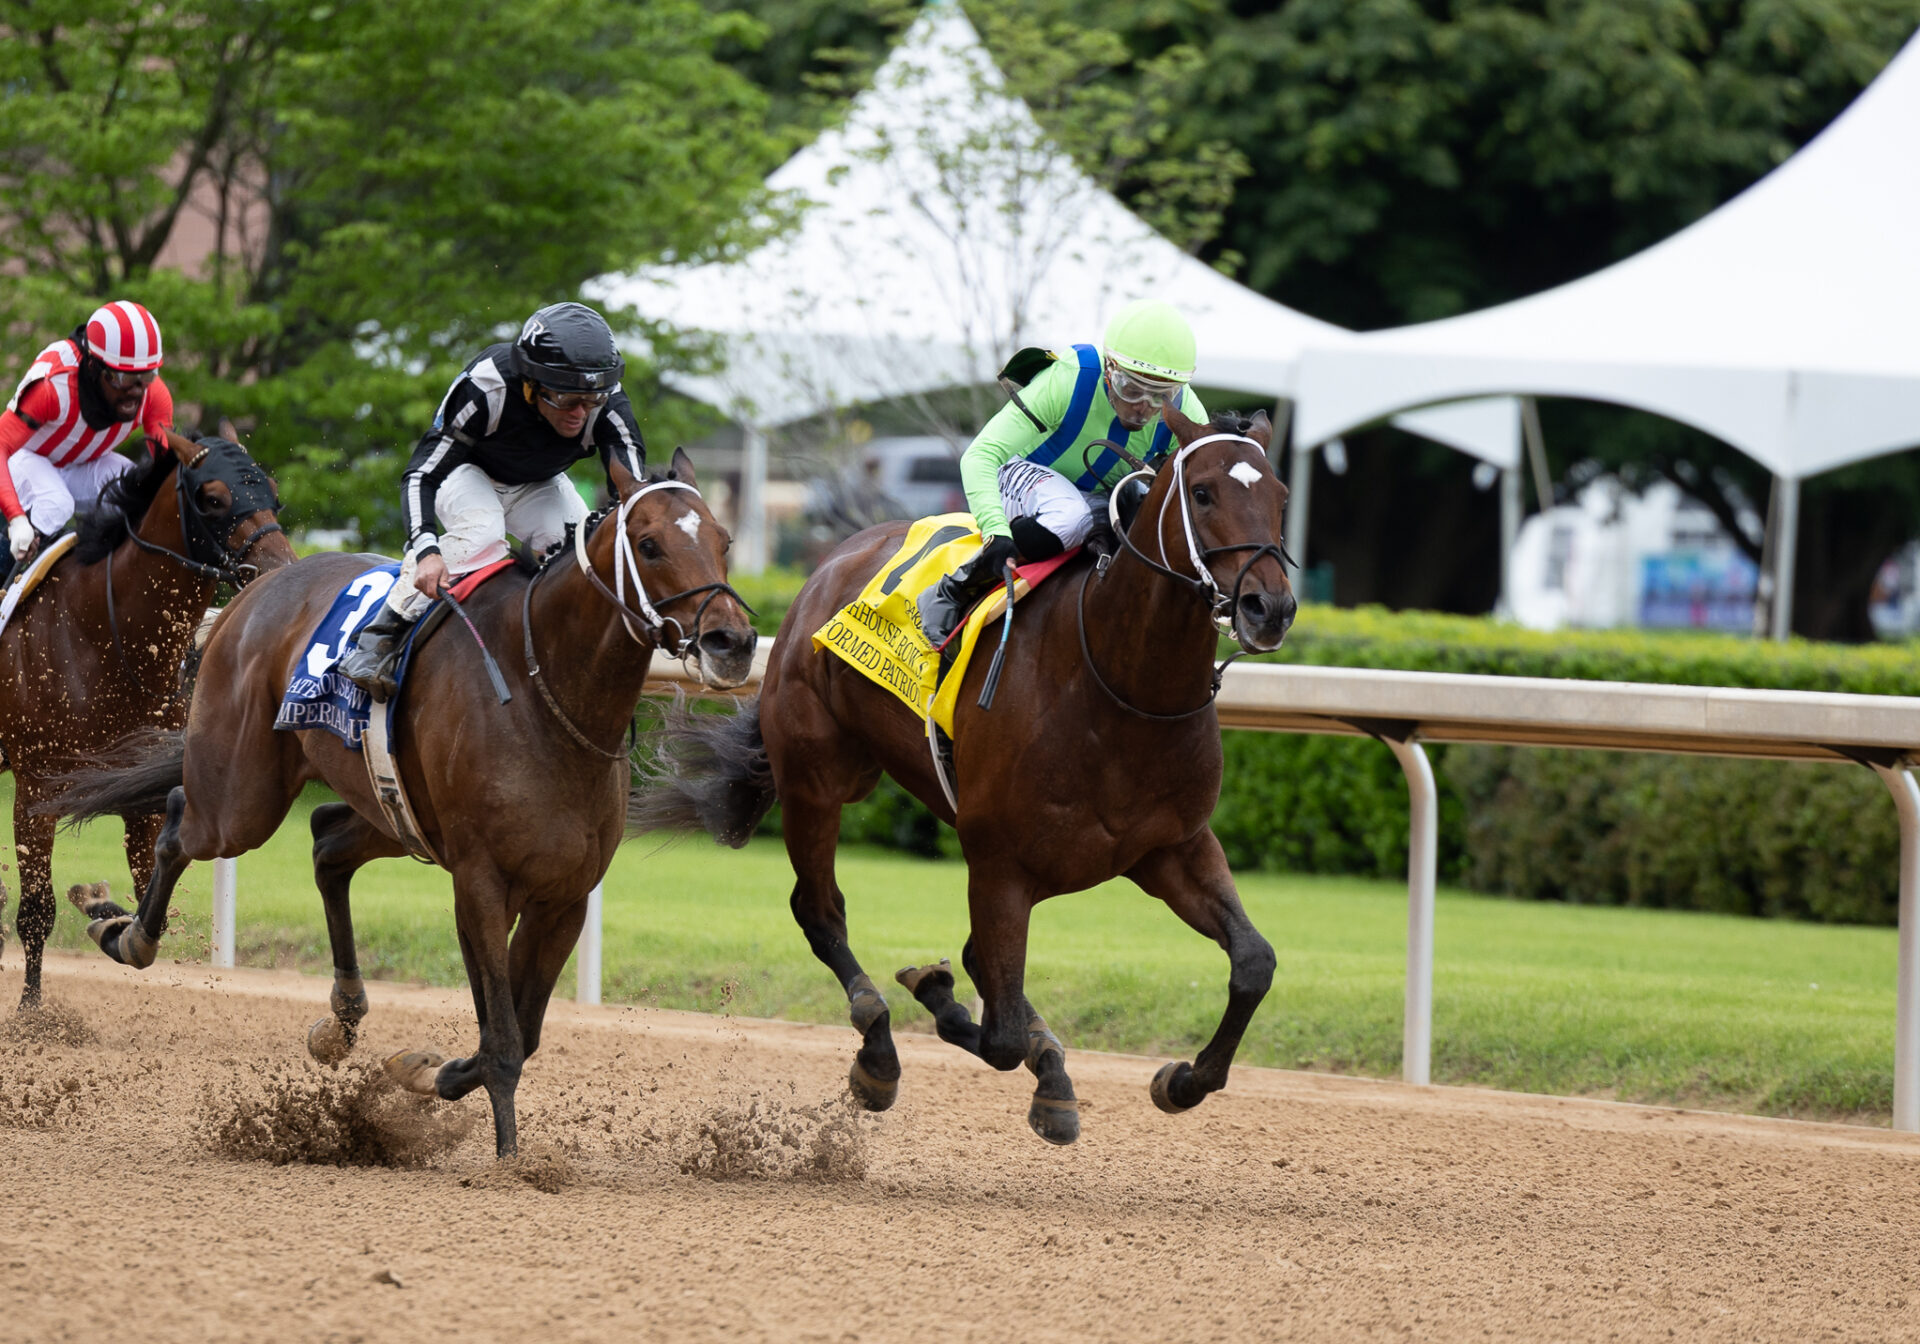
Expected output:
{"points": [[654, 625], [222, 564], [1223, 605]]}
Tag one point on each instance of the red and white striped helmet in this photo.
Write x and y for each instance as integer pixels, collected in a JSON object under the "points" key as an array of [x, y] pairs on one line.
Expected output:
{"points": [[123, 335]]}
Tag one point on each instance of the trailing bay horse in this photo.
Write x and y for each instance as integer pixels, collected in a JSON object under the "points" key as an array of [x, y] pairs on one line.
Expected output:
{"points": [[1100, 756], [522, 802], [95, 651]]}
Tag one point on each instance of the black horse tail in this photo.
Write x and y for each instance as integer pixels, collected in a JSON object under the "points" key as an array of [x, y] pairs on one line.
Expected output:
{"points": [[131, 779], [703, 772]]}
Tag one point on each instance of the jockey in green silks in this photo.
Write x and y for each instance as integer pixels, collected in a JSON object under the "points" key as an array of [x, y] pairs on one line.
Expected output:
{"points": [[1034, 476]]}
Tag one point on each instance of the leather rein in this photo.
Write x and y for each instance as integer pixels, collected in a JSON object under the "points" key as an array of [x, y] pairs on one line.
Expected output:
{"points": [[652, 634], [194, 527], [1223, 605]]}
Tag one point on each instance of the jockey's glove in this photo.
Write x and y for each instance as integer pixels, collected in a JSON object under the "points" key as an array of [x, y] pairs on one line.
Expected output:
{"points": [[994, 555], [19, 536]]}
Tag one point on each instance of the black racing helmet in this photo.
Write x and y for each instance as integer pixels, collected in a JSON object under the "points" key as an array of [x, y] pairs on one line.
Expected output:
{"points": [[568, 346]]}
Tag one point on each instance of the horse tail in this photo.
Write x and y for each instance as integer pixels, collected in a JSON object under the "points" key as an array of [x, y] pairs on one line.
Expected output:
{"points": [[132, 778], [703, 772]]}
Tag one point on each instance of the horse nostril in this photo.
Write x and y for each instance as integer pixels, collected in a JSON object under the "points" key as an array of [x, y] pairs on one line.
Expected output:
{"points": [[1289, 608], [1253, 608], [719, 643]]}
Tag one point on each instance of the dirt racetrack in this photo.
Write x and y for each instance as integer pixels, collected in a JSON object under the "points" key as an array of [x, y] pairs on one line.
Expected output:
{"points": [[698, 1178]]}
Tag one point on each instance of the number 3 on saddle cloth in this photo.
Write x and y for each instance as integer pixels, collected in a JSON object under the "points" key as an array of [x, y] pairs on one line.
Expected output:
{"points": [[879, 632], [317, 696]]}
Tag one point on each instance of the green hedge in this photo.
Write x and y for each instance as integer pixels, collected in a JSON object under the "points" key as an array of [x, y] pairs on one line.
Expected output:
{"points": [[1808, 841]]}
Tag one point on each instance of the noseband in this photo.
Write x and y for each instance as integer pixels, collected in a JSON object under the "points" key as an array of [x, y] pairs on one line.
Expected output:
{"points": [[1223, 606], [684, 643]]}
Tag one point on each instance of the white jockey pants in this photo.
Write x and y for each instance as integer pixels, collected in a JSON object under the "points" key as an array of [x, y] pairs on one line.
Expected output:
{"points": [[476, 513], [50, 494], [1043, 494]]}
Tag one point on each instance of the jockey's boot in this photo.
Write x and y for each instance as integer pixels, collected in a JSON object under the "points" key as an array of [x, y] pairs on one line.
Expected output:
{"points": [[942, 605], [375, 655]]}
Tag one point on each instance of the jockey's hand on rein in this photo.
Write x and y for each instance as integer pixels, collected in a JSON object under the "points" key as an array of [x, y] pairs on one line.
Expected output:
{"points": [[994, 556], [430, 575], [19, 536]]}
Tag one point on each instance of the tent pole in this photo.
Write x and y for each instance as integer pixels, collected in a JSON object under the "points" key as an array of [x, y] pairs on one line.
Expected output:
{"points": [[1536, 450], [1282, 425], [1784, 555], [1763, 583], [1299, 502], [1510, 507], [752, 541]]}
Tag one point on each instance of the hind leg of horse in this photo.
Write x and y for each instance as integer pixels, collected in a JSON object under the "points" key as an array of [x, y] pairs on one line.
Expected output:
{"points": [[1055, 1112], [1194, 881], [33, 848], [343, 841], [812, 833]]}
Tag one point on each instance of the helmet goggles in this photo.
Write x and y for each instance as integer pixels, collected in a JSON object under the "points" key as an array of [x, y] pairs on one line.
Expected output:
{"points": [[573, 401], [1128, 386]]}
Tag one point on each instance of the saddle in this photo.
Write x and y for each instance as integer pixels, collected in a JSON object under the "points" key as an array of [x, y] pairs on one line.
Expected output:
{"points": [[36, 571]]}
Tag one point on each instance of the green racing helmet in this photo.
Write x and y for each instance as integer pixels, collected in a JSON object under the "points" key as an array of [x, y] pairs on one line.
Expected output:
{"points": [[1150, 338]]}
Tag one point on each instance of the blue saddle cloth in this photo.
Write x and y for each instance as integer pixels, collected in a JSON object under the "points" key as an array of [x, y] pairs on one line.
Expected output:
{"points": [[317, 695]]}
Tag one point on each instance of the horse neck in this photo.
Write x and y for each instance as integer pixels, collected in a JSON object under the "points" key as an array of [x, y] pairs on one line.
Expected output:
{"points": [[594, 667], [1152, 638], [157, 601]]}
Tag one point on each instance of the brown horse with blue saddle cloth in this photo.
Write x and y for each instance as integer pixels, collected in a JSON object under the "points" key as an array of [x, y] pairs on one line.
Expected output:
{"points": [[1098, 757]]}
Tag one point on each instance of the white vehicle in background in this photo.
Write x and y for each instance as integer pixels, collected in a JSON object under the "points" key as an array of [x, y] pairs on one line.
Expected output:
{"points": [[907, 477]]}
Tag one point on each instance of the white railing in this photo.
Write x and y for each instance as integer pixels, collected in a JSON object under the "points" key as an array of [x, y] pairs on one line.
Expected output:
{"points": [[1404, 709]]}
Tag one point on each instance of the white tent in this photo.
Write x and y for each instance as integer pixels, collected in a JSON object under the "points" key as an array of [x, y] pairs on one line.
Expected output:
{"points": [[1782, 323], [942, 232]]}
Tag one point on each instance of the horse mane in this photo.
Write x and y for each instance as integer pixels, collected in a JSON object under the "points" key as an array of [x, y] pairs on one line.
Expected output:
{"points": [[127, 497]]}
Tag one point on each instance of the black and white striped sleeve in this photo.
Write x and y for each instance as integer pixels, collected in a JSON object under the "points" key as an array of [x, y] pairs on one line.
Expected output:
{"points": [[462, 415], [618, 434]]}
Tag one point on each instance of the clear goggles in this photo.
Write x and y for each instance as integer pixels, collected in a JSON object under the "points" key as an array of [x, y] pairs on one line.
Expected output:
{"points": [[1135, 387], [574, 401], [131, 378]]}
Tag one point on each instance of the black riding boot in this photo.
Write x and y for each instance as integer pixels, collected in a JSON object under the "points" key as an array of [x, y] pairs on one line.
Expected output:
{"points": [[375, 655], [942, 605]]}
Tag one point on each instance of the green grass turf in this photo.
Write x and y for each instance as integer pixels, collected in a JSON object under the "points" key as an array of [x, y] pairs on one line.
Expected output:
{"points": [[1765, 1016]]}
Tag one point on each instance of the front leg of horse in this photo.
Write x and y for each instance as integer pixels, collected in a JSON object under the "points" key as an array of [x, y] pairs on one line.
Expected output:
{"points": [[33, 847], [1055, 1112], [1194, 881], [134, 940], [342, 842]]}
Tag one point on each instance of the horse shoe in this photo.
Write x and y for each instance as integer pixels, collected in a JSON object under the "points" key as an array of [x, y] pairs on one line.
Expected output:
{"points": [[1055, 1119], [329, 1040], [416, 1071], [1161, 1089], [912, 977]]}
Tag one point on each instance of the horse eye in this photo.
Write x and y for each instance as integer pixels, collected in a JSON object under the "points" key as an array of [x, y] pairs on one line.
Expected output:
{"points": [[1202, 496], [650, 548]]}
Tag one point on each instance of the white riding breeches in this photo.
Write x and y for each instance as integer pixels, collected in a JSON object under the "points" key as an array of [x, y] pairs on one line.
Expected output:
{"points": [[50, 494], [476, 513], [1050, 499]]}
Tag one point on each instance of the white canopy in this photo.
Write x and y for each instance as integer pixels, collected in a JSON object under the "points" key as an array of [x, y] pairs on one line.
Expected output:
{"points": [[944, 232], [1783, 323]]}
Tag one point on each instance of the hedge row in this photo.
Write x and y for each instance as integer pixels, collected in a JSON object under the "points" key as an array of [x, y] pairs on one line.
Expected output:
{"points": [[1806, 841]]}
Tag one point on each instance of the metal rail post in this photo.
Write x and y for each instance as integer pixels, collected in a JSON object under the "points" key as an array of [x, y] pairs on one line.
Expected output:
{"points": [[587, 972], [226, 885], [1423, 863], [1906, 1022]]}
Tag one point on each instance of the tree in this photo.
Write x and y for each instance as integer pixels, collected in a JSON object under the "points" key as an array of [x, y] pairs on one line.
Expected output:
{"points": [[388, 187]]}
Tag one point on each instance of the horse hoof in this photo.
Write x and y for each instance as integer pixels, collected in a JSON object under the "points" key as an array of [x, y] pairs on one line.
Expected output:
{"points": [[873, 1093], [328, 1041], [1057, 1121], [1162, 1087], [940, 972], [123, 940], [94, 900], [416, 1071]]}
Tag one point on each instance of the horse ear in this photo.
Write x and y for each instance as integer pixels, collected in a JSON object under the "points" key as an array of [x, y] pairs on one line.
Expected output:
{"points": [[624, 481], [1184, 430], [1260, 430], [681, 468]]}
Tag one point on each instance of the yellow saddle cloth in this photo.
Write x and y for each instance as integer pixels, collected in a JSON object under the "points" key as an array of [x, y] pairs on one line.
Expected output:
{"points": [[42, 566], [879, 632]]}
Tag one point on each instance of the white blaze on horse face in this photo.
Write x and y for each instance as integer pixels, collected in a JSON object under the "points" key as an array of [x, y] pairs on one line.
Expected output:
{"points": [[1245, 473], [689, 523]]}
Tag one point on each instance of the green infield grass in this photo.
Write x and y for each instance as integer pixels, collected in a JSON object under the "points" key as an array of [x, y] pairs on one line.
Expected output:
{"points": [[1702, 1010]]}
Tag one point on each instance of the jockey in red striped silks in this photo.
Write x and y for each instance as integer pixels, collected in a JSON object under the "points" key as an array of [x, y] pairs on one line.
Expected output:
{"points": [[83, 398]]}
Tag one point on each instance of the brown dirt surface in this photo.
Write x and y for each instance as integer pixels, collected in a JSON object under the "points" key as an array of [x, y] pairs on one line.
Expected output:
{"points": [[172, 1164]]}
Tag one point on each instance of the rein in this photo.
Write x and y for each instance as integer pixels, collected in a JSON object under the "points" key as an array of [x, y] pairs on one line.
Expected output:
{"points": [[227, 567], [646, 611], [1222, 606]]}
